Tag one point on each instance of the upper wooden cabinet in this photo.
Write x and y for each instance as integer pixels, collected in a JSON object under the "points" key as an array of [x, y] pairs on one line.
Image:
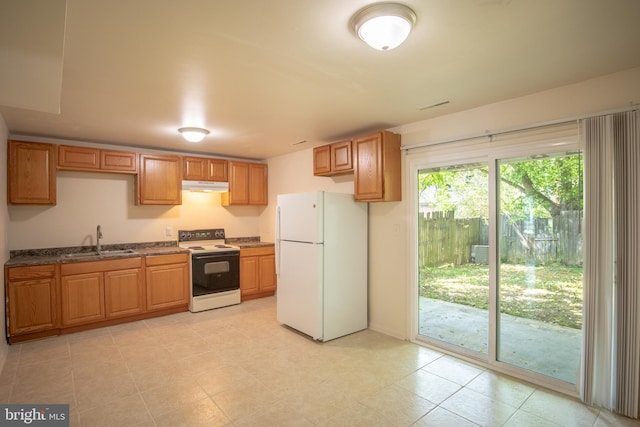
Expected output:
{"points": [[247, 184], [159, 180], [333, 159], [118, 161], [377, 167], [96, 160], [202, 169], [78, 158], [31, 172]]}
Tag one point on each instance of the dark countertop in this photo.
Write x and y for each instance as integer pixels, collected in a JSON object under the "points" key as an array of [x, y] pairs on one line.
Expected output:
{"points": [[247, 242], [254, 245], [29, 257]]}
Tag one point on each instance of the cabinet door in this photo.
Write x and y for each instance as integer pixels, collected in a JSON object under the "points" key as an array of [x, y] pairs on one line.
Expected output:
{"points": [[217, 170], [82, 298], [322, 160], [258, 184], [32, 174], [167, 286], [78, 158], [118, 161], [377, 168], [341, 159], [31, 305], [249, 275], [194, 168], [238, 184], [159, 180], [124, 292], [368, 180], [268, 278]]}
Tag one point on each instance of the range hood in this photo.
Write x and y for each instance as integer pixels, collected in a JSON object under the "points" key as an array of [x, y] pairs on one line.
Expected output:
{"points": [[206, 186]]}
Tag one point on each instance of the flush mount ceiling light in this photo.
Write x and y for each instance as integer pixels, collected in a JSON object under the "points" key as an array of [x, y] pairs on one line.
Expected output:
{"points": [[383, 26], [193, 134]]}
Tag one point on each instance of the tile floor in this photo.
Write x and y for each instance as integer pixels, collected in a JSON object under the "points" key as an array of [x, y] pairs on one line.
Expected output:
{"points": [[237, 366]]}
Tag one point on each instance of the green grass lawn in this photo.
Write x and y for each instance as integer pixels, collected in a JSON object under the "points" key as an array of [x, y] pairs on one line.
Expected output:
{"points": [[550, 293]]}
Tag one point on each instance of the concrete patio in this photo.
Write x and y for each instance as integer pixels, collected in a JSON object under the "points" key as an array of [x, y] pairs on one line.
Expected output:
{"points": [[537, 346]]}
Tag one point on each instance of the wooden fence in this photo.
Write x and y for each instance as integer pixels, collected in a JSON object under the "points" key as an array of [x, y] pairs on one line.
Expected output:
{"points": [[444, 239]]}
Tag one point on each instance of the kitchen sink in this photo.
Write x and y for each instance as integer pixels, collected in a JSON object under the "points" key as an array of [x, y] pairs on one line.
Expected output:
{"points": [[117, 252], [101, 254]]}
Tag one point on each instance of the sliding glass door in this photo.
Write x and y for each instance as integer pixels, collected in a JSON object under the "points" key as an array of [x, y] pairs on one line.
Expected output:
{"points": [[499, 259], [453, 256], [540, 264]]}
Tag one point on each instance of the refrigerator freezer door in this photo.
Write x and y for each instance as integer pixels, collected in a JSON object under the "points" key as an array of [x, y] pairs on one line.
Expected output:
{"points": [[300, 217], [299, 300]]}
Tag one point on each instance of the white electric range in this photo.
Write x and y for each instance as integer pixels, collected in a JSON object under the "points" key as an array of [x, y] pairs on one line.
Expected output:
{"points": [[215, 269]]}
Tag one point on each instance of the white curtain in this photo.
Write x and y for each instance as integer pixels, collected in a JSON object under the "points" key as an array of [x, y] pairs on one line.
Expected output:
{"points": [[611, 344]]}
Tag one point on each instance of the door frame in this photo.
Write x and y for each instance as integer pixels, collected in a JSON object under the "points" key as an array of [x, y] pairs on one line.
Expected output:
{"points": [[462, 153]]}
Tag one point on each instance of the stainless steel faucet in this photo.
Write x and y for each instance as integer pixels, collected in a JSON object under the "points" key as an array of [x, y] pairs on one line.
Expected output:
{"points": [[98, 237]]}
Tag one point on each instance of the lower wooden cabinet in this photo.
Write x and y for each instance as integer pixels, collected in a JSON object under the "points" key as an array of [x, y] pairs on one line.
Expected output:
{"points": [[98, 290], [167, 279], [31, 299], [60, 298], [82, 298], [123, 293], [257, 272]]}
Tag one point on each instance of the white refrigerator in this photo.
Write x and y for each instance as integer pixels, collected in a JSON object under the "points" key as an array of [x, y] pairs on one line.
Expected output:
{"points": [[321, 263]]}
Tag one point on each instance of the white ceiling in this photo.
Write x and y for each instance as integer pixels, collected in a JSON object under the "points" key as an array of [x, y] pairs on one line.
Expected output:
{"points": [[264, 75]]}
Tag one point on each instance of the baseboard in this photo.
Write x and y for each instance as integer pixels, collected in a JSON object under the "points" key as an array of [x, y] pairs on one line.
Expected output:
{"points": [[387, 331]]}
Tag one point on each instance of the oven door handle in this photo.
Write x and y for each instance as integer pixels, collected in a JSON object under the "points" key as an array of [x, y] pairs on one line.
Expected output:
{"points": [[199, 257]]}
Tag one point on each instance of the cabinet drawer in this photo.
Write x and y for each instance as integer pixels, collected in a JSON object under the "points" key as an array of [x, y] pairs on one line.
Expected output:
{"points": [[264, 250], [93, 266], [167, 259], [32, 272]]}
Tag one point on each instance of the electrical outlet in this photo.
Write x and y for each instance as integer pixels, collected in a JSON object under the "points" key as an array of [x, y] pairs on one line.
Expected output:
{"points": [[168, 231]]}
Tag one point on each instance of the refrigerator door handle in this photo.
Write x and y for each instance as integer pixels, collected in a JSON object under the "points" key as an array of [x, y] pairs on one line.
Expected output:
{"points": [[277, 241]]}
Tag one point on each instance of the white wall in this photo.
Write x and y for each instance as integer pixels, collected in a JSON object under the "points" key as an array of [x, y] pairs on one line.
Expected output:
{"points": [[390, 240], [4, 225], [293, 173], [88, 199]]}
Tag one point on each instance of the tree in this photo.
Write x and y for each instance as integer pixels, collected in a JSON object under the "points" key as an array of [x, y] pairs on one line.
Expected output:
{"points": [[464, 191], [542, 187], [546, 185]]}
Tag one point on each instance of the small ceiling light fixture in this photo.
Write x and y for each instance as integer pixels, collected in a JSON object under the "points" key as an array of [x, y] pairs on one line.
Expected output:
{"points": [[193, 134], [383, 26]]}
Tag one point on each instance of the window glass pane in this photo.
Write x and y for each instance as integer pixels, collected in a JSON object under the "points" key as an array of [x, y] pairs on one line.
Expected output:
{"points": [[540, 264], [453, 256]]}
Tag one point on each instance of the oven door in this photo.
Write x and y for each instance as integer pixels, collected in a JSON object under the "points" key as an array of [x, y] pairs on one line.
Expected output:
{"points": [[215, 272]]}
